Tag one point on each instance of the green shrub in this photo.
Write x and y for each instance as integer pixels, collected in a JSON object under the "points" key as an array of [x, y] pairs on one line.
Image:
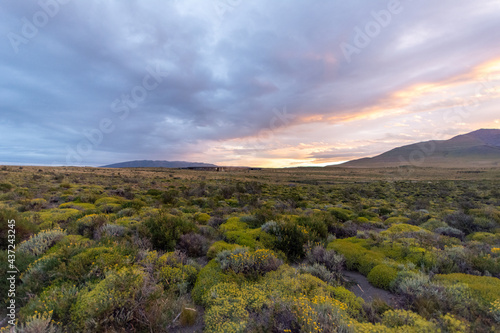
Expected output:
{"points": [[78, 205], [57, 215], [23, 227], [290, 238], [209, 276], [6, 187], [382, 276], [396, 220], [56, 298], [485, 237], [403, 320], [219, 246], [202, 218], [110, 303], [401, 228], [165, 230], [485, 289], [354, 303], [88, 226], [433, 224], [94, 262], [233, 224], [241, 238], [249, 263], [180, 279], [340, 213]]}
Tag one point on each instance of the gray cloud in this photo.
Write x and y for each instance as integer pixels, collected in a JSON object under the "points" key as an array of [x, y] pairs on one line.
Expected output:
{"points": [[225, 73]]}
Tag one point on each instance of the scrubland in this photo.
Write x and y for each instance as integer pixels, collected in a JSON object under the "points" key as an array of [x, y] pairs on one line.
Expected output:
{"points": [[166, 250]]}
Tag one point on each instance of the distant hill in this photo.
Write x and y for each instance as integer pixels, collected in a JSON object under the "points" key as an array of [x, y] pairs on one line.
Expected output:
{"points": [[480, 148], [157, 164]]}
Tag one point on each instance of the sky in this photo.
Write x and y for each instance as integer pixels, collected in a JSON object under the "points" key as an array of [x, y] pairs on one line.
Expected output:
{"points": [[277, 83]]}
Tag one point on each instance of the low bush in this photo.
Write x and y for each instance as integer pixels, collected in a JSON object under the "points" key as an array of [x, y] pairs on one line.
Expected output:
{"points": [[194, 245], [218, 247], [41, 242], [164, 230], [251, 263], [110, 303], [319, 271], [405, 320], [382, 276]]}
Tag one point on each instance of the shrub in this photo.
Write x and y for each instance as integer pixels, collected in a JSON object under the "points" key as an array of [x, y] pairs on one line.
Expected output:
{"points": [[110, 303], [209, 276], [484, 288], [249, 263], [216, 221], [461, 221], [329, 258], [94, 262], [202, 218], [341, 214], [180, 279], [450, 232], [233, 224], [402, 228], [290, 238], [57, 298], [39, 322], [166, 229], [218, 247], [242, 238], [319, 271], [495, 310], [402, 319], [396, 220], [6, 187], [57, 215], [485, 237], [354, 303], [382, 276], [78, 205], [194, 245], [113, 230], [41, 242], [23, 227], [89, 225], [433, 224], [450, 323]]}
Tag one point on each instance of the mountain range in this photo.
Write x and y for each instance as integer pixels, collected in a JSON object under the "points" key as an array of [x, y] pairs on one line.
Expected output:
{"points": [[480, 148]]}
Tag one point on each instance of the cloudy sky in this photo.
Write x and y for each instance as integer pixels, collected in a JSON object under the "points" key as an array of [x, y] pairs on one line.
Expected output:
{"points": [[241, 82]]}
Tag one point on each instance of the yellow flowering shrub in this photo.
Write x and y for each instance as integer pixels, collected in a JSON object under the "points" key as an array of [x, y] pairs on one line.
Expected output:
{"points": [[109, 302], [495, 310], [57, 299]]}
